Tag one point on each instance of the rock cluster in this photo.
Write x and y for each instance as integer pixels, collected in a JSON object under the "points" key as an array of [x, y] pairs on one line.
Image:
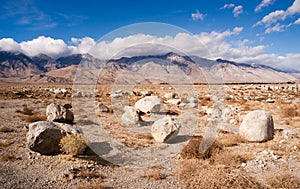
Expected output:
{"points": [[44, 136], [150, 109]]}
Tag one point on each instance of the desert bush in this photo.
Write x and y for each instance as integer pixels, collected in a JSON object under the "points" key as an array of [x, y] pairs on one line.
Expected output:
{"points": [[228, 139], [283, 180], [73, 144], [26, 111], [194, 174], [35, 117], [191, 150], [289, 111], [156, 175], [5, 129]]}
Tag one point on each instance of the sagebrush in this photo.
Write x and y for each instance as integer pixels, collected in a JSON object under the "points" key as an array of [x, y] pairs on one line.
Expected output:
{"points": [[73, 144]]}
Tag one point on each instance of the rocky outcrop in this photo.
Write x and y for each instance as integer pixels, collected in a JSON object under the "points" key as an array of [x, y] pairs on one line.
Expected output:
{"points": [[257, 126]]}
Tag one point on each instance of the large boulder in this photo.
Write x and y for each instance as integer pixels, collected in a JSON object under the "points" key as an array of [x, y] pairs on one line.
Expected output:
{"points": [[257, 126], [130, 116], [58, 113], [165, 129], [44, 137], [148, 104]]}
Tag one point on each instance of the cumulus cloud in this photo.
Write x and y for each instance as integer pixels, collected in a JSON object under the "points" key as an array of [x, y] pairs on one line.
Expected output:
{"points": [[210, 45], [198, 15], [263, 4], [45, 45], [237, 10], [9, 44], [271, 20]]}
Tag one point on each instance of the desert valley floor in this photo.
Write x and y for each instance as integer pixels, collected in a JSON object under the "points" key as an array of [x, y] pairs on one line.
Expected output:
{"points": [[231, 162]]}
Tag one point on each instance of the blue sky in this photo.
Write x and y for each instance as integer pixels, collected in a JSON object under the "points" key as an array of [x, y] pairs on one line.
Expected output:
{"points": [[269, 28]]}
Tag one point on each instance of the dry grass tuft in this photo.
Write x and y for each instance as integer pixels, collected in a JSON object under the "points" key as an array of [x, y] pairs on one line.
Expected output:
{"points": [[7, 157], [5, 129], [5, 143], [191, 150], [194, 174], [283, 180], [29, 115], [97, 184], [26, 111], [229, 140], [35, 117], [289, 111], [155, 175], [73, 144]]}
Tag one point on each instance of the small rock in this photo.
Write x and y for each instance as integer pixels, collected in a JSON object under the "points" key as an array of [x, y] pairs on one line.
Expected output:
{"points": [[101, 108], [58, 113], [130, 116], [193, 102], [165, 129], [270, 100]]}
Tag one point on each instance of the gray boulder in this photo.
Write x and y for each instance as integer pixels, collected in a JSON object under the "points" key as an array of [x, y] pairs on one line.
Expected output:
{"points": [[165, 129], [130, 116], [257, 126], [58, 113], [148, 104], [44, 137]]}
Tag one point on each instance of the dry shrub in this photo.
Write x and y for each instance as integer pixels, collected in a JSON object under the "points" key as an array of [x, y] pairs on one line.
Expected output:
{"points": [[283, 180], [5, 129], [97, 184], [5, 143], [191, 150], [229, 140], [26, 111], [144, 136], [7, 156], [230, 158], [289, 111], [73, 144], [156, 175], [194, 174], [35, 117]]}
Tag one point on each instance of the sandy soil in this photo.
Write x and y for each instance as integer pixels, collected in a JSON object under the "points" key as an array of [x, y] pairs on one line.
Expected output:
{"points": [[230, 163]]}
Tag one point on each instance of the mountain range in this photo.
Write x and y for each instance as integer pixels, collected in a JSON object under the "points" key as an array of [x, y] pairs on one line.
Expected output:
{"points": [[170, 67]]}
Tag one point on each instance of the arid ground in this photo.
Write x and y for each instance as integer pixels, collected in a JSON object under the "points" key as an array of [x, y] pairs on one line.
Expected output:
{"points": [[231, 162]]}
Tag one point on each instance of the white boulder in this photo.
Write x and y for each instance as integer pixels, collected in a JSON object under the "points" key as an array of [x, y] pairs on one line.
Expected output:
{"points": [[165, 129], [130, 116], [257, 126], [148, 104]]}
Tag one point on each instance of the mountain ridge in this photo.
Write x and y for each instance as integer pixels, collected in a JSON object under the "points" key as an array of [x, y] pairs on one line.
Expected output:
{"points": [[18, 66]]}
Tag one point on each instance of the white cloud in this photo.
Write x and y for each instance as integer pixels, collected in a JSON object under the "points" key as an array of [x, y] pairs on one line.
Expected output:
{"points": [[294, 8], [263, 4], [272, 17], [297, 21], [228, 6], [9, 44], [277, 28], [210, 45], [198, 15], [271, 20], [238, 10], [45, 45]]}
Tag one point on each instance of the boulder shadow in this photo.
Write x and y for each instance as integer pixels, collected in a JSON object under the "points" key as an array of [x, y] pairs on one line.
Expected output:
{"points": [[179, 139]]}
